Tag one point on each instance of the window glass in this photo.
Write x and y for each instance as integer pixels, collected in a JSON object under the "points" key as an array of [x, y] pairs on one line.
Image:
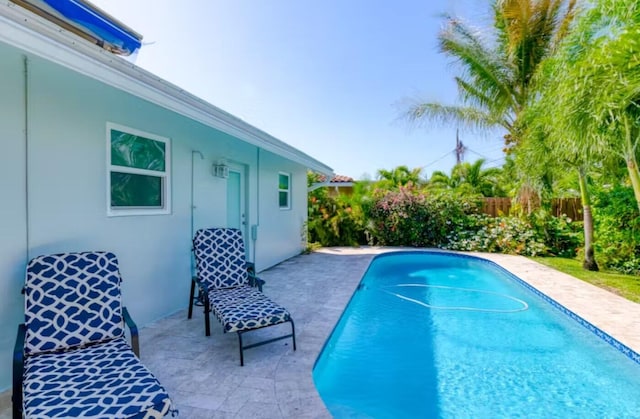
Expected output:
{"points": [[284, 181], [130, 150], [130, 190], [284, 199], [284, 191], [138, 175]]}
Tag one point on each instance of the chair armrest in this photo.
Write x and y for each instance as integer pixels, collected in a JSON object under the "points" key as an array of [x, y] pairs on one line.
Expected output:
{"points": [[251, 268], [203, 287], [254, 281], [18, 369], [135, 343]]}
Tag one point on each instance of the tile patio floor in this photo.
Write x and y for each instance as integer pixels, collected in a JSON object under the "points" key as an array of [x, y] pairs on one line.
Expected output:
{"points": [[203, 376]]}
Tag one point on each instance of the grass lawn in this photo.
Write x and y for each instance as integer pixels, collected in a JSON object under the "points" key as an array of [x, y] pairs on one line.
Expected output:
{"points": [[627, 286]]}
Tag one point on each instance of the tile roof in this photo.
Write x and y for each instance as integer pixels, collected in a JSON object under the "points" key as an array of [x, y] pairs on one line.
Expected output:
{"points": [[336, 179]]}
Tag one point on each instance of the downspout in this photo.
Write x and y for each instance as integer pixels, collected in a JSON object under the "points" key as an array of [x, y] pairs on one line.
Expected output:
{"points": [[191, 204], [254, 228], [26, 159]]}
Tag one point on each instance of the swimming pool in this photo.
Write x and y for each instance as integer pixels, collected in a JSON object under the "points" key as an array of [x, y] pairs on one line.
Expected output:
{"points": [[435, 334]]}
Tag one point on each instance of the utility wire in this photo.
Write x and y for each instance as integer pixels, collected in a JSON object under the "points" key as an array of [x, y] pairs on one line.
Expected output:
{"points": [[439, 159], [475, 152]]}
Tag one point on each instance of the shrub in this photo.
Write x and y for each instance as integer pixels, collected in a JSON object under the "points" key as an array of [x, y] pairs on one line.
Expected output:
{"points": [[407, 217], [334, 221], [617, 230], [562, 236], [511, 235]]}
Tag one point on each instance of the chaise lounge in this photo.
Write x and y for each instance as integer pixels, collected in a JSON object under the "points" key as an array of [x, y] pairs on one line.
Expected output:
{"points": [[71, 358], [228, 287]]}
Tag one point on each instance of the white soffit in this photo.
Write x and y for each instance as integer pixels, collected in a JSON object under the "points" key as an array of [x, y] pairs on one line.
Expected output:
{"points": [[35, 35]]}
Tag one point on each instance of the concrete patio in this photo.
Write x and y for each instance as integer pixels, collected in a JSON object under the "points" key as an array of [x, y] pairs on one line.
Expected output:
{"points": [[203, 376]]}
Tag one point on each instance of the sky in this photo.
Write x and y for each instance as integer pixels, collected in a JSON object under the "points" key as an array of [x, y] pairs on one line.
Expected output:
{"points": [[329, 77]]}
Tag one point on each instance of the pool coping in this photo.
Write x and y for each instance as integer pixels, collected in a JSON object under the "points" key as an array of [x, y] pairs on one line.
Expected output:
{"points": [[627, 351], [610, 316]]}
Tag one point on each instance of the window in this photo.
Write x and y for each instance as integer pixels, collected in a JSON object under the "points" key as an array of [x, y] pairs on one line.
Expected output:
{"points": [[284, 190], [138, 172]]}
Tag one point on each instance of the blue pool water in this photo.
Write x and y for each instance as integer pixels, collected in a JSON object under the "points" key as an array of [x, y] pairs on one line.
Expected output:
{"points": [[431, 334]]}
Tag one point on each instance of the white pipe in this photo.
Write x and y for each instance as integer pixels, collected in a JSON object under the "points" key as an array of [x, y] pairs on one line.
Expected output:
{"points": [[253, 236], [191, 205], [26, 158]]}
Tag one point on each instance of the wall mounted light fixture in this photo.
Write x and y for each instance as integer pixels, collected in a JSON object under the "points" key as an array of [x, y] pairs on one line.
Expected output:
{"points": [[220, 169]]}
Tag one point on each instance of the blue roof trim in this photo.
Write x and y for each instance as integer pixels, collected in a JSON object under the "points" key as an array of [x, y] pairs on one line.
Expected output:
{"points": [[102, 26]]}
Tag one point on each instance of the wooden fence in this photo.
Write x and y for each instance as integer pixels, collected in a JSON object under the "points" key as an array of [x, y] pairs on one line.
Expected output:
{"points": [[495, 207], [572, 207]]}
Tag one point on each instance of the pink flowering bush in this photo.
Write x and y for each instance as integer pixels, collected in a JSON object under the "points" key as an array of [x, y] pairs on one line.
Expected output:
{"points": [[407, 217]]}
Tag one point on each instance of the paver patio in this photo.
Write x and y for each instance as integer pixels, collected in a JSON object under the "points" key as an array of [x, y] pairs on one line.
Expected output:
{"points": [[203, 376]]}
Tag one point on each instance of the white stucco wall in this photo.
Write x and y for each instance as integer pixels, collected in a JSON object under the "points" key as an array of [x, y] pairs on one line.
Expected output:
{"points": [[280, 230], [12, 205], [67, 191]]}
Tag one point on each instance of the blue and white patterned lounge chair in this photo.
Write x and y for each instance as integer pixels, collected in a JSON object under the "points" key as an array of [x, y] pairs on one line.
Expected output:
{"points": [[227, 285], [71, 357]]}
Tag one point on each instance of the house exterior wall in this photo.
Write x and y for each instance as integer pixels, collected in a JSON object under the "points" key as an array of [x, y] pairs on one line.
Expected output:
{"points": [[280, 230], [12, 205], [67, 197]]}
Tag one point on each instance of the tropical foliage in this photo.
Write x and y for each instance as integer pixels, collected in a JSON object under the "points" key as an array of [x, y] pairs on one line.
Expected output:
{"points": [[618, 227], [593, 86], [407, 217], [400, 176], [496, 73], [470, 179], [335, 220], [390, 214], [563, 83], [497, 235]]}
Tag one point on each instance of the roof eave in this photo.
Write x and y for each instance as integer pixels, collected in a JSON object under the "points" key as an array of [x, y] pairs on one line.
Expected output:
{"points": [[35, 35]]}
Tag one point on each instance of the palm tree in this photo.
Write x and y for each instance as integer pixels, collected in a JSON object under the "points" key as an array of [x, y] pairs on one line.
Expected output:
{"points": [[441, 180], [469, 178], [590, 98], [546, 149], [496, 77], [594, 85], [400, 176], [482, 181]]}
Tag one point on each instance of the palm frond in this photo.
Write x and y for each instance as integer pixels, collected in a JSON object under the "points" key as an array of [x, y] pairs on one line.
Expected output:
{"points": [[481, 66], [421, 113]]}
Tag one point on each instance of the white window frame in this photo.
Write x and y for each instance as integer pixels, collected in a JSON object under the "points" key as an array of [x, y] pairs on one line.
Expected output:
{"points": [[165, 176], [288, 191]]}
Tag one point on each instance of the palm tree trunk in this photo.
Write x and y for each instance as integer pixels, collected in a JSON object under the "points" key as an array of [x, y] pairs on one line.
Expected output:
{"points": [[634, 175], [589, 263], [632, 163]]}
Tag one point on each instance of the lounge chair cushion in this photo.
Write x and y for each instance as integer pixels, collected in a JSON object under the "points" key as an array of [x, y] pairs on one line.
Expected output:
{"points": [[101, 381], [245, 308], [73, 299], [220, 257]]}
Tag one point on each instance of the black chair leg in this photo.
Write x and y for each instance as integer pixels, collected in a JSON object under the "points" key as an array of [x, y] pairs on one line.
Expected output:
{"points": [[191, 296], [18, 371], [293, 334], [17, 408], [207, 321], [241, 349]]}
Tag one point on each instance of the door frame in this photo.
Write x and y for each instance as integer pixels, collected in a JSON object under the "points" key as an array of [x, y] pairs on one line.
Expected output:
{"points": [[241, 169]]}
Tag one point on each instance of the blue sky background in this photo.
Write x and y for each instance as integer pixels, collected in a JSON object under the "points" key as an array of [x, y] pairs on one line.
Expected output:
{"points": [[326, 76]]}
